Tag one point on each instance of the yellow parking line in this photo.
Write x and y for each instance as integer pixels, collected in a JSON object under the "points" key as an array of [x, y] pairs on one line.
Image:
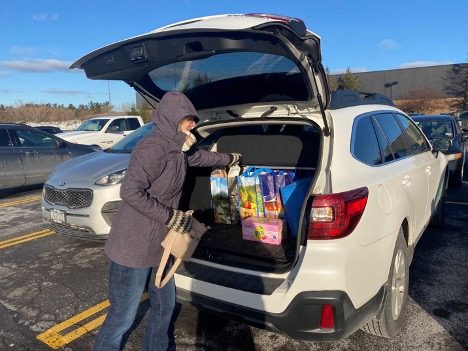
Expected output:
{"points": [[23, 201], [55, 340], [25, 238]]}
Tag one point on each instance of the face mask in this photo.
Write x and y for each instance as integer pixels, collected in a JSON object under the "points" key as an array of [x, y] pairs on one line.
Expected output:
{"points": [[189, 141]]}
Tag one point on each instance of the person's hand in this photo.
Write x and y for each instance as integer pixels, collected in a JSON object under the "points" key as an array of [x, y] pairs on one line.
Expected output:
{"points": [[235, 159], [180, 221]]}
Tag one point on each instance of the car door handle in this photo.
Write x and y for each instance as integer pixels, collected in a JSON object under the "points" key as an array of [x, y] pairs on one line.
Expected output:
{"points": [[406, 180], [428, 170], [31, 152]]}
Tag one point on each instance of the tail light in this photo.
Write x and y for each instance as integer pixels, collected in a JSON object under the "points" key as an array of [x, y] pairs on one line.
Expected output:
{"points": [[327, 319], [334, 216]]}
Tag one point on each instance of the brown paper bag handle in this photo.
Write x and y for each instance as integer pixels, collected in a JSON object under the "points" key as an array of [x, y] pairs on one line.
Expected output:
{"points": [[162, 265]]}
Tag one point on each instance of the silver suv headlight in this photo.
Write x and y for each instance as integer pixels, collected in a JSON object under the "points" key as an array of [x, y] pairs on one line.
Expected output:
{"points": [[112, 179]]}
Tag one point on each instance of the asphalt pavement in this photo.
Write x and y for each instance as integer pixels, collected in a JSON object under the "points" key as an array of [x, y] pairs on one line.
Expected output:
{"points": [[54, 293]]}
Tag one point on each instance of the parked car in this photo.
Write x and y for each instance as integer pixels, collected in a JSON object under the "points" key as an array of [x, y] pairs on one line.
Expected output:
{"points": [[81, 196], [103, 131], [49, 129], [375, 180], [28, 155], [446, 126]]}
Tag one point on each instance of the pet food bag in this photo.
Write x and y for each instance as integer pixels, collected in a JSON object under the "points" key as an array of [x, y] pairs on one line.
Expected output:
{"points": [[220, 202]]}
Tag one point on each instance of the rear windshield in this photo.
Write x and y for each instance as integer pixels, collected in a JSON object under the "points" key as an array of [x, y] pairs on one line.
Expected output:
{"points": [[244, 77]]}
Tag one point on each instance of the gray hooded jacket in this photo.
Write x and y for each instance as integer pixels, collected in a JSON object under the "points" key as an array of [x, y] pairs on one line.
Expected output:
{"points": [[153, 185]]}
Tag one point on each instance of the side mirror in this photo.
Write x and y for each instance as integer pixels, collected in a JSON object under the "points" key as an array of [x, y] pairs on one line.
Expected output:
{"points": [[465, 136], [441, 144]]}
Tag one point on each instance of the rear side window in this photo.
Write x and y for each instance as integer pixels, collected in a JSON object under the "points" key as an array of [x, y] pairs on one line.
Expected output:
{"points": [[365, 146], [387, 153], [30, 138], [5, 138], [133, 123], [394, 134], [416, 140]]}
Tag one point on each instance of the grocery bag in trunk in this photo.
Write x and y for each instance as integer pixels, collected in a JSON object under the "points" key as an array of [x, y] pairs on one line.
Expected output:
{"points": [[293, 196], [224, 196], [250, 193], [271, 183]]}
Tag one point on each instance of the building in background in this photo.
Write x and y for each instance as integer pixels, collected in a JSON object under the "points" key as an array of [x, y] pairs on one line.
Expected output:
{"points": [[441, 81]]}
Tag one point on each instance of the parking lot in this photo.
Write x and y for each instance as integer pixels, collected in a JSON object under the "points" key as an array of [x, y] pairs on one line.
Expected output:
{"points": [[54, 292]]}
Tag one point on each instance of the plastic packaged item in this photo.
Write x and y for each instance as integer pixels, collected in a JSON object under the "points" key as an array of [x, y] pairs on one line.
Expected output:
{"points": [[250, 194], [265, 230]]}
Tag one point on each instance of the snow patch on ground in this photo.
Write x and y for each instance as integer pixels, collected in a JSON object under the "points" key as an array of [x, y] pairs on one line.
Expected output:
{"points": [[63, 125]]}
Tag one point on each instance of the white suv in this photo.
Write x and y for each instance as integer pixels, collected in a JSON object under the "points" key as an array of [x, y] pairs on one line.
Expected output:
{"points": [[376, 181], [103, 131]]}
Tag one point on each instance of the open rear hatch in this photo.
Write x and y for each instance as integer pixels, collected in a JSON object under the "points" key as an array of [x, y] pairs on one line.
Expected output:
{"points": [[219, 61], [284, 144]]}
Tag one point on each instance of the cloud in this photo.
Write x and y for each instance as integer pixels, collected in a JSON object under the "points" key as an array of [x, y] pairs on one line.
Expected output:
{"points": [[424, 64], [23, 51], [6, 91], [388, 44], [64, 92], [36, 66], [44, 16], [5, 74], [27, 51]]}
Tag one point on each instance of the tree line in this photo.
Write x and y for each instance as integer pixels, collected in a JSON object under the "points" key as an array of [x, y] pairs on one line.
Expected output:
{"points": [[50, 112]]}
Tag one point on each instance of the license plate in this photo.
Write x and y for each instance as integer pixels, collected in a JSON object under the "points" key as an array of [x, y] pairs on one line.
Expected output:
{"points": [[57, 216]]}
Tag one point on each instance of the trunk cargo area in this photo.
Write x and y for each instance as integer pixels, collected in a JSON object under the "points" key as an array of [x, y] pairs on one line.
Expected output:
{"points": [[276, 145]]}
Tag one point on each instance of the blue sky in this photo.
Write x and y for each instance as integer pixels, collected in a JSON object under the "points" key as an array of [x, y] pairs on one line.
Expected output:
{"points": [[39, 39]]}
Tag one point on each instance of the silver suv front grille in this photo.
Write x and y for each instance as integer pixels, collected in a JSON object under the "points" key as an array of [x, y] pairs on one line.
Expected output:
{"points": [[71, 198]]}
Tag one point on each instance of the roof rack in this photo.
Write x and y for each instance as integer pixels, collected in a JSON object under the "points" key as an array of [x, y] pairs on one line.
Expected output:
{"points": [[342, 98]]}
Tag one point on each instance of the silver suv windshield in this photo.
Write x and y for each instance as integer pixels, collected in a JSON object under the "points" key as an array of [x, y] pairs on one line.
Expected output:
{"points": [[127, 144]]}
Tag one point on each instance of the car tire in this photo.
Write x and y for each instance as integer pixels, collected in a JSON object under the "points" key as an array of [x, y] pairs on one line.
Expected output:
{"points": [[390, 318]]}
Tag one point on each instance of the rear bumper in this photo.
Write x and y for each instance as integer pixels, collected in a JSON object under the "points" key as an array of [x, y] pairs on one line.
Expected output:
{"points": [[301, 319]]}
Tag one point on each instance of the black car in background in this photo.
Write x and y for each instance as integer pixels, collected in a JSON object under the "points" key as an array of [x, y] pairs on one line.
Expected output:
{"points": [[28, 155], [49, 129], [446, 126]]}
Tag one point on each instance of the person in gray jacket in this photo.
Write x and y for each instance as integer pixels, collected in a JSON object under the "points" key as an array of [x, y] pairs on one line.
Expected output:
{"points": [[150, 194]]}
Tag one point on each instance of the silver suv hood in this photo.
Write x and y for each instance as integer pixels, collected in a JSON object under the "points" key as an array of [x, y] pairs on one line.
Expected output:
{"points": [[135, 60], [89, 167]]}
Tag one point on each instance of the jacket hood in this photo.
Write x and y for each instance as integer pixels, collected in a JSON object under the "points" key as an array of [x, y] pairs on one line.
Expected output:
{"points": [[173, 107]]}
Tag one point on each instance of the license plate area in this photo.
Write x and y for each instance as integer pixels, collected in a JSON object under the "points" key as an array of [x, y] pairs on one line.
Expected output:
{"points": [[58, 216]]}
